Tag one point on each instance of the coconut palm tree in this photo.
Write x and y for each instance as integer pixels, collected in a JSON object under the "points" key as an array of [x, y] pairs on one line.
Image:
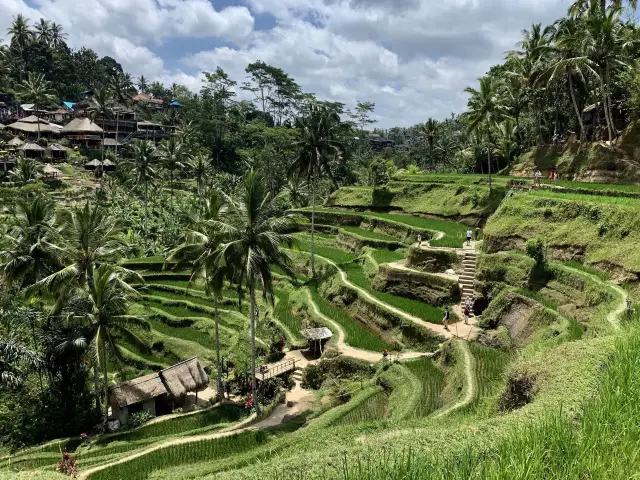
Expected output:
{"points": [[58, 37], [32, 242], [200, 167], [484, 110], [105, 313], [43, 31], [143, 168], [200, 251], [429, 131], [103, 110], [505, 133], [580, 6], [319, 145], [27, 171], [142, 84], [16, 359], [122, 87], [171, 154], [254, 242], [38, 91], [21, 35]]}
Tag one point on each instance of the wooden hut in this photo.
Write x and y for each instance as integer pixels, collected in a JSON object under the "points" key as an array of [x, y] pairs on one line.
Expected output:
{"points": [[49, 171], [156, 393], [32, 150], [57, 152], [316, 337], [29, 127], [15, 142], [83, 132]]}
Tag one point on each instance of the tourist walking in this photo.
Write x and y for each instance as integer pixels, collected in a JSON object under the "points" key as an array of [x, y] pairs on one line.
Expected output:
{"points": [[469, 235], [467, 314], [419, 240], [538, 177], [445, 320]]}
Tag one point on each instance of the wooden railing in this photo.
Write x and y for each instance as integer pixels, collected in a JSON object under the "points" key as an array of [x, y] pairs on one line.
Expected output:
{"points": [[264, 372]]}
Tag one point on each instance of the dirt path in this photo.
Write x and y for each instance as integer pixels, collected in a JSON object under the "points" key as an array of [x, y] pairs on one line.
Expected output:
{"points": [[350, 351], [469, 372], [612, 317], [463, 330]]}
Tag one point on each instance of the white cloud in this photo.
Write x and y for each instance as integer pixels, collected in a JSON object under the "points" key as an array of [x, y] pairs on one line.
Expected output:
{"points": [[413, 58]]}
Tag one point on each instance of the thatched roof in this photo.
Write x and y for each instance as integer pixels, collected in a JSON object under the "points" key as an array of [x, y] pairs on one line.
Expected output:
{"points": [[321, 333], [187, 376], [56, 147], [30, 125], [143, 97], [138, 390], [111, 142], [50, 170], [32, 146], [108, 163], [2, 127], [93, 163], [81, 125], [15, 142]]}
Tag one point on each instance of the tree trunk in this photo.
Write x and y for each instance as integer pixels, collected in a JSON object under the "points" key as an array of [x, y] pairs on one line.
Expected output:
{"points": [[96, 390], [252, 294], [604, 105], [577, 109], [106, 396], [313, 222], [489, 164], [218, 364], [146, 208], [609, 107]]}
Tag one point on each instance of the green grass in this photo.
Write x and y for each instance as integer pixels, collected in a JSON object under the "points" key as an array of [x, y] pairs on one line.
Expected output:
{"points": [[332, 253], [210, 450], [599, 186], [356, 334], [602, 275], [373, 408], [225, 413], [369, 234], [538, 298], [432, 379], [601, 199], [422, 310], [490, 369], [184, 333], [285, 315], [388, 256]]}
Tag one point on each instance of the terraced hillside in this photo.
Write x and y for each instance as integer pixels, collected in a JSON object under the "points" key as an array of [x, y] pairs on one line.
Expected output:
{"points": [[542, 382]]}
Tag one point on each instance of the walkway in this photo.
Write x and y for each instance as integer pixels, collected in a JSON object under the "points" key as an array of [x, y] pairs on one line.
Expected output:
{"points": [[353, 352], [470, 377]]}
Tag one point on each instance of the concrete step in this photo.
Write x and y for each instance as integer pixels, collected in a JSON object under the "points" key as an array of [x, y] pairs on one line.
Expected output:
{"points": [[462, 278]]}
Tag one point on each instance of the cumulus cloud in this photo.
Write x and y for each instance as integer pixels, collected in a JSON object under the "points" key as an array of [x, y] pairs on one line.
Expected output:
{"points": [[413, 58]]}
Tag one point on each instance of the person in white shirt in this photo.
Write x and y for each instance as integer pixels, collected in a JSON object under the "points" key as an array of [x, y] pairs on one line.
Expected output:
{"points": [[538, 176], [469, 235]]}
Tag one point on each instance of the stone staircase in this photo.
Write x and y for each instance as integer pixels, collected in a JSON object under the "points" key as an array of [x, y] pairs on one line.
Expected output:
{"points": [[297, 375], [468, 276]]}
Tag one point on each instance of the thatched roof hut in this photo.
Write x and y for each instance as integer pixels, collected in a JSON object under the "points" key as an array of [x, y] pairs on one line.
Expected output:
{"points": [[15, 142], [316, 336], [31, 125], [57, 152], [32, 150], [138, 390], [51, 171], [81, 126], [187, 376]]}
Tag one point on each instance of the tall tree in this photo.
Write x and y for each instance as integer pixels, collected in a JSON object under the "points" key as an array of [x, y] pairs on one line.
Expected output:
{"points": [[484, 111], [171, 154], [43, 31], [143, 168], [103, 110], [200, 251], [58, 37], [38, 91], [320, 145], [200, 167], [254, 243], [21, 35], [143, 85]]}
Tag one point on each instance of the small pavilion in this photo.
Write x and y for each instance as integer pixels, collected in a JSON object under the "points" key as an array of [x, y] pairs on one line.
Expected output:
{"points": [[316, 337]]}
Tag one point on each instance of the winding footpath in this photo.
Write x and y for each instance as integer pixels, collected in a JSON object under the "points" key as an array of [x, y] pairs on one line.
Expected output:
{"points": [[469, 372], [353, 352], [462, 330]]}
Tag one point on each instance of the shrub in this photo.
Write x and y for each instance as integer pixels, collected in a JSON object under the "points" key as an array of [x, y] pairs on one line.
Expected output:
{"points": [[312, 377], [138, 418]]}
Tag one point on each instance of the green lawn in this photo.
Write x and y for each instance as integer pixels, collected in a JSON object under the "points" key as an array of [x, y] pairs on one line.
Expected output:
{"points": [[356, 334]]}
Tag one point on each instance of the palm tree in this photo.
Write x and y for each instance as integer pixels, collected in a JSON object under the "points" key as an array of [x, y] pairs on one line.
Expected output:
{"points": [[200, 251], [429, 130], [603, 46], [21, 35], [580, 6], [102, 110], [32, 250], [16, 359], [27, 171], [122, 87], [142, 84], [200, 167], [43, 31], [38, 91], [143, 169], [506, 133], [319, 145], [254, 243], [484, 110], [104, 310], [58, 37], [171, 154]]}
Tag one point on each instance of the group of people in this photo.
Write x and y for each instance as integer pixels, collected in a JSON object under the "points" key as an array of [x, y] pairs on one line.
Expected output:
{"points": [[468, 309], [553, 175]]}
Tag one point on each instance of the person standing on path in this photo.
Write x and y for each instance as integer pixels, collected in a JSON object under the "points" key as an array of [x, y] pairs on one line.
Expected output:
{"points": [[467, 314], [469, 234], [537, 176], [467, 302], [419, 240], [445, 320]]}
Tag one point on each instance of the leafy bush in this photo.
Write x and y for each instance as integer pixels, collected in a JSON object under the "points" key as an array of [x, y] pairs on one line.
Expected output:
{"points": [[139, 418], [312, 377]]}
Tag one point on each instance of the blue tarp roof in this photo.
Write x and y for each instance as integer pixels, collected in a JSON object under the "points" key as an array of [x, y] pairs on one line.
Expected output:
{"points": [[175, 104], [69, 105]]}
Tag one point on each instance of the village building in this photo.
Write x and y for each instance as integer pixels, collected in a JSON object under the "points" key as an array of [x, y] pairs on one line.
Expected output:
{"points": [[32, 150], [158, 393], [30, 127], [83, 132], [56, 152], [316, 338]]}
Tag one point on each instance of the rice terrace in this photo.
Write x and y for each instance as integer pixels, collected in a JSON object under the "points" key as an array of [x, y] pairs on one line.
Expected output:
{"points": [[244, 280]]}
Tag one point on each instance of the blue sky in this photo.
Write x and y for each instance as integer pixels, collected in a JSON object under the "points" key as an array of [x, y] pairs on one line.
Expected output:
{"points": [[413, 58]]}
